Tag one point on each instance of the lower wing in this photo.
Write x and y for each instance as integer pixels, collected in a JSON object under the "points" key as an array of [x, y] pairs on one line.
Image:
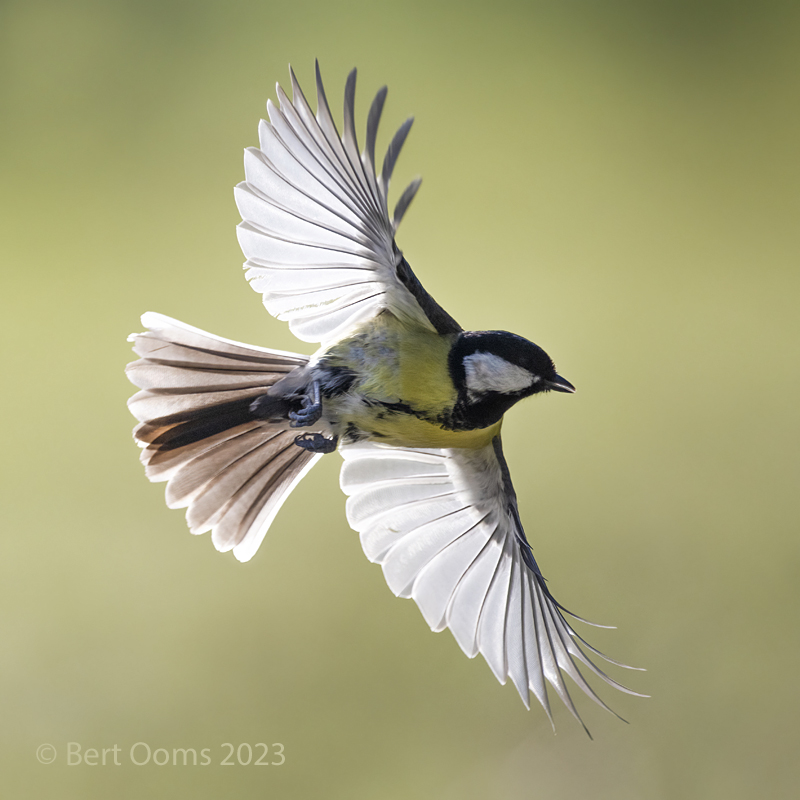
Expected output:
{"points": [[444, 526]]}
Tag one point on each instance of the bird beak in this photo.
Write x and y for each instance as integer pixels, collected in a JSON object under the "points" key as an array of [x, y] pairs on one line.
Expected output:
{"points": [[560, 385]]}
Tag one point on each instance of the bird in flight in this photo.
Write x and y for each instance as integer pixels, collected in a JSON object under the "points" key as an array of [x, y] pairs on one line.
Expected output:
{"points": [[412, 401]]}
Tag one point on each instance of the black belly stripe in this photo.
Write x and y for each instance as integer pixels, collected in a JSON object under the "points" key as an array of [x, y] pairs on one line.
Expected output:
{"points": [[400, 408]]}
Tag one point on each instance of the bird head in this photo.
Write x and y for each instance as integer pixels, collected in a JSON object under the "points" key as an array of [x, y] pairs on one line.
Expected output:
{"points": [[492, 370]]}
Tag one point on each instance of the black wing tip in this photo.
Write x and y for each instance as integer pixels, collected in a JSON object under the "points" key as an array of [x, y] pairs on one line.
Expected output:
{"points": [[402, 132], [394, 150], [350, 89], [376, 108], [404, 202], [373, 121]]}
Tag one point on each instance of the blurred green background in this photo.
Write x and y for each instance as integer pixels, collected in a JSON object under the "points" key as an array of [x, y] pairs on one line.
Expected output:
{"points": [[617, 181]]}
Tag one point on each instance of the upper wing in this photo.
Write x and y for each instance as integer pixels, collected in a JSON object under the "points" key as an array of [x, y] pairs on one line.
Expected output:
{"points": [[444, 526], [316, 230]]}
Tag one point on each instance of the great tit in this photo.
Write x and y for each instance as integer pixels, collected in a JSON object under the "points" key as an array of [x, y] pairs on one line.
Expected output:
{"points": [[413, 402]]}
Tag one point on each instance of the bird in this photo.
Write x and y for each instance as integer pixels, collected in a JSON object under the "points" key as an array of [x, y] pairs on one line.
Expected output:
{"points": [[412, 401]]}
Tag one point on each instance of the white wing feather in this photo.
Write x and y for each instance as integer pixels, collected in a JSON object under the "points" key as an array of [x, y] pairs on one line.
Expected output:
{"points": [[440, 523], [315, 223]]}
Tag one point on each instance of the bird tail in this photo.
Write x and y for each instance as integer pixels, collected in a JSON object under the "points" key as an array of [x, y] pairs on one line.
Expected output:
{"points": [[231, 470]]}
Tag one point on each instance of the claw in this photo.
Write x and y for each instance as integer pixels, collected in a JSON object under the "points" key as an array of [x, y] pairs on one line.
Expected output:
{"points": [[316, 442], [311, 409], [306, 417]]}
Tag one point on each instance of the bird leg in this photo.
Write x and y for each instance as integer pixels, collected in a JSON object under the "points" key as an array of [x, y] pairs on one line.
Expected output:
{"points": [[311, 409], [310, 413]]}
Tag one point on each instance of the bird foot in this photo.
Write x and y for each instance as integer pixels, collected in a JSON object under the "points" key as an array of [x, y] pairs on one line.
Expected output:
{"points": [[311, 409], [316, 442]]}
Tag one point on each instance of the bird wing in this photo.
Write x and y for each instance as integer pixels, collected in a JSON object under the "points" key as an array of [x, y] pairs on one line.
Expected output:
{"points": [[315, 227], [444, 526]]}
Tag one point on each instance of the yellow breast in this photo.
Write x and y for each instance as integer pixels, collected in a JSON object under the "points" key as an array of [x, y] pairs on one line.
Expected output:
{"points": [[400, 364]]}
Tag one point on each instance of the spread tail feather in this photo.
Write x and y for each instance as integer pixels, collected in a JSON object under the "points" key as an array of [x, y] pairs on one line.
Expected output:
{"points": [[231, 470]]}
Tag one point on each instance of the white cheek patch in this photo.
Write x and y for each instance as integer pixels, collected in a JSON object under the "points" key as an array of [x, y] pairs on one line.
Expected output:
{"points": [[486, 372]]}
